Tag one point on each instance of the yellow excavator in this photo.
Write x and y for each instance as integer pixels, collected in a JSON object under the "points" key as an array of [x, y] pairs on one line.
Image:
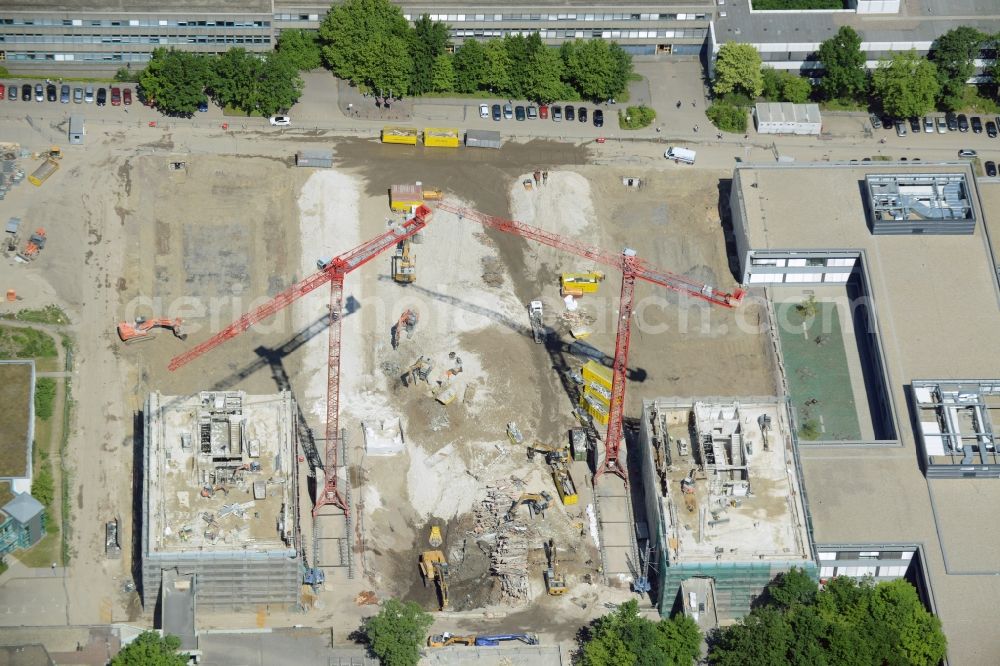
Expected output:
{"points": [[555, 581], [434, 567], [404, 264], [446, 639], [537, 504]]}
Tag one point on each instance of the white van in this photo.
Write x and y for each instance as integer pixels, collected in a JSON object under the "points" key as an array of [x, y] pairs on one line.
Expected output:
{"points": [[683, 155]]}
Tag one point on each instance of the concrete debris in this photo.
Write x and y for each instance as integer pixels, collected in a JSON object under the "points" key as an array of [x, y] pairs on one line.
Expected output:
{"points": [[506, 542]]}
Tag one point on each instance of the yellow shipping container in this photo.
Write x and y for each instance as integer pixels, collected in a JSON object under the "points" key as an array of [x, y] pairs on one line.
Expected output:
{"points": [[580, 283], [405, 197], [596, 408], [405, 135], [441, 137], [595, 372]]}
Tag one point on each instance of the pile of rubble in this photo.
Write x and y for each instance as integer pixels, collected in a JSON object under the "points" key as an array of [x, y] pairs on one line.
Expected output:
{"points": [[505, 541]]}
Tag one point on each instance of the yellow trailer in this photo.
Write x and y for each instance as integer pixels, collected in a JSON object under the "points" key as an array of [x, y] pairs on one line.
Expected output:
{"points": [[441, 137], [404, 135], [577, 284], [42, 173], [565, 485], [404, 198]]}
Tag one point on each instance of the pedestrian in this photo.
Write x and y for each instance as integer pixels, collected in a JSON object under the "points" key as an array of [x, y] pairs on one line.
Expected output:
{"points": [[695, 128], [692, 104], [719, 136], [657, 130], [53, 568], [746, 136], [678, 104]]}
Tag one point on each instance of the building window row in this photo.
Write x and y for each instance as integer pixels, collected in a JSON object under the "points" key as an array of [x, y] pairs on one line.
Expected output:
{"points": [[296, 17], [133, 39], [482, 18], [138, 23], [80, 57], [584, 34]]}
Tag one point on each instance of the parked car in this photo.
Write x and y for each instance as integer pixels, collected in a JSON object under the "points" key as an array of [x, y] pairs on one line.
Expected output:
{"points": [[26, 92], [102, 96], [952, 121], [991, 129], [280, 121], [915, 125], [78, 95], [484, 111], [88, 95], [127, 96], [963, 123], [203, 107], [12, 92], [116, 97], [543, 112], [570, 113], [900, 128], [942, 126], [508, 111], [967, 152], [876, 123], [64, 92], [598, 118], [519, 113], [39, 92], [51, 93], [977, 124], [582, 114], [928, 125], [496, 112], [888, 123], [3, 91], [991, 168], [557, 113], [532, 112]]}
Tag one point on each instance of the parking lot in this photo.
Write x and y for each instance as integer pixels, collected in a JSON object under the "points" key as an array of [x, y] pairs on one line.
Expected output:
{"points": [[955, 124]]}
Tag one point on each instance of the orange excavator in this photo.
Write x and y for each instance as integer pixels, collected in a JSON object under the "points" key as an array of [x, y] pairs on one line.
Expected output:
{"points": [[407, 322], [140, 330]]}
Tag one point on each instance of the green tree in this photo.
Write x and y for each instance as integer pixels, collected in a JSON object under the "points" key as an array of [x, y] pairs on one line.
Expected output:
{"points": [[175, 81], [397, 632], [844, 66], [42, 485], [597, 69], [545, 72], [470, 66], [150, 649], [428, 41], [367, 42], [953, 53], [45, 395], [255, 84], [728, 117], [520, 52], [738, 69], [443, 74], [624, 638], [782, 86], [907, 85], [498, 67], [301, 48]]}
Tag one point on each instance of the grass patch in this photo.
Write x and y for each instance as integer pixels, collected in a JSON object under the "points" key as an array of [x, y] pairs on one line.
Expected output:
{"points": [[843, 105], [64, 473], [15, 382], [636, 117], [6, 494], [50, 314], [798, 5], [45, 395], [43, 553], [25, 343], [3, 567], [974, 102], [728, 117]]}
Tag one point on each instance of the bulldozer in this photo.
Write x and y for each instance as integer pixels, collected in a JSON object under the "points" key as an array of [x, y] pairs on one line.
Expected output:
{"points": [[434, 566], [140, 330], [555, 581], [537, 504], [36, 243], [406, 323], [404, 264]]}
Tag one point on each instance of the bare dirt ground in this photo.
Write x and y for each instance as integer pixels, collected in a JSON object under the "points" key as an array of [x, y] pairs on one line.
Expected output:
{"points": [[206, 242]]}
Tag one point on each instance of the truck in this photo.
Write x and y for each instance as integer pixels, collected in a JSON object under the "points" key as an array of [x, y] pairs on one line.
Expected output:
{"points": [[680, 155], [42, 173]]}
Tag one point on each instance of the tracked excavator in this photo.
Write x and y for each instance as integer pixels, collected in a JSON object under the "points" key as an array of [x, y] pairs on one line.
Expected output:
{"points": [[140, 330], [537, 504], [404, 264], [406, 323], [434, 567]]}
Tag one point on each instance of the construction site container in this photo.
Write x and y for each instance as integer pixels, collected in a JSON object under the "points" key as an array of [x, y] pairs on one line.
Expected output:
{"points": [[405, 135], [596, 398], [593, 371], [578, 443], [76, 129], [314, 158], [403, 198], [42, 173], [482, 139], [441, 137]]}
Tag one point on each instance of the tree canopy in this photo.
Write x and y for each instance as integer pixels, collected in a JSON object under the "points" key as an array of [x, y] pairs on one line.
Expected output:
{"points": [[782, 86], [625, 638], [848, 622], [367, 42], [175, 81], [397, 632], [301, 48], [907, 85], [953, 53], [597, 69], [251, 83], [428, 41], [844, 64], [738, 70], [150, 649]]}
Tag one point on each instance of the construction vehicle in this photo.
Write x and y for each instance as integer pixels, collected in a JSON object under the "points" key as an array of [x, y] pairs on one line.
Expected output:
{"points": [[514, 434], [578, 284], [537, 504], [36, 243], [555, 581], [565, 485], [496, 639], [140, 330], [42, 173], [446, 639], [112, 543], [407, 322], [420, 370], [209, 491], [53, 153], [404, 264], [435, 538], [535, 314], [314, 577], [552, 453], [434, 567]]}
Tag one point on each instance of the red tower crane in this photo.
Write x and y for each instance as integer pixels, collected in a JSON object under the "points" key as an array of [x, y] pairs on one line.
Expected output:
{"points": [[333, 272], [632, 268]]}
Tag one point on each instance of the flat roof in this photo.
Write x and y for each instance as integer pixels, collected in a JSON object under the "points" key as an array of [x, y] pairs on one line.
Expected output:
{"points": [[745, 500], [236, 448], [128, 7], [17, 395], [534, 6], [918, 21], [936, 304]]}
